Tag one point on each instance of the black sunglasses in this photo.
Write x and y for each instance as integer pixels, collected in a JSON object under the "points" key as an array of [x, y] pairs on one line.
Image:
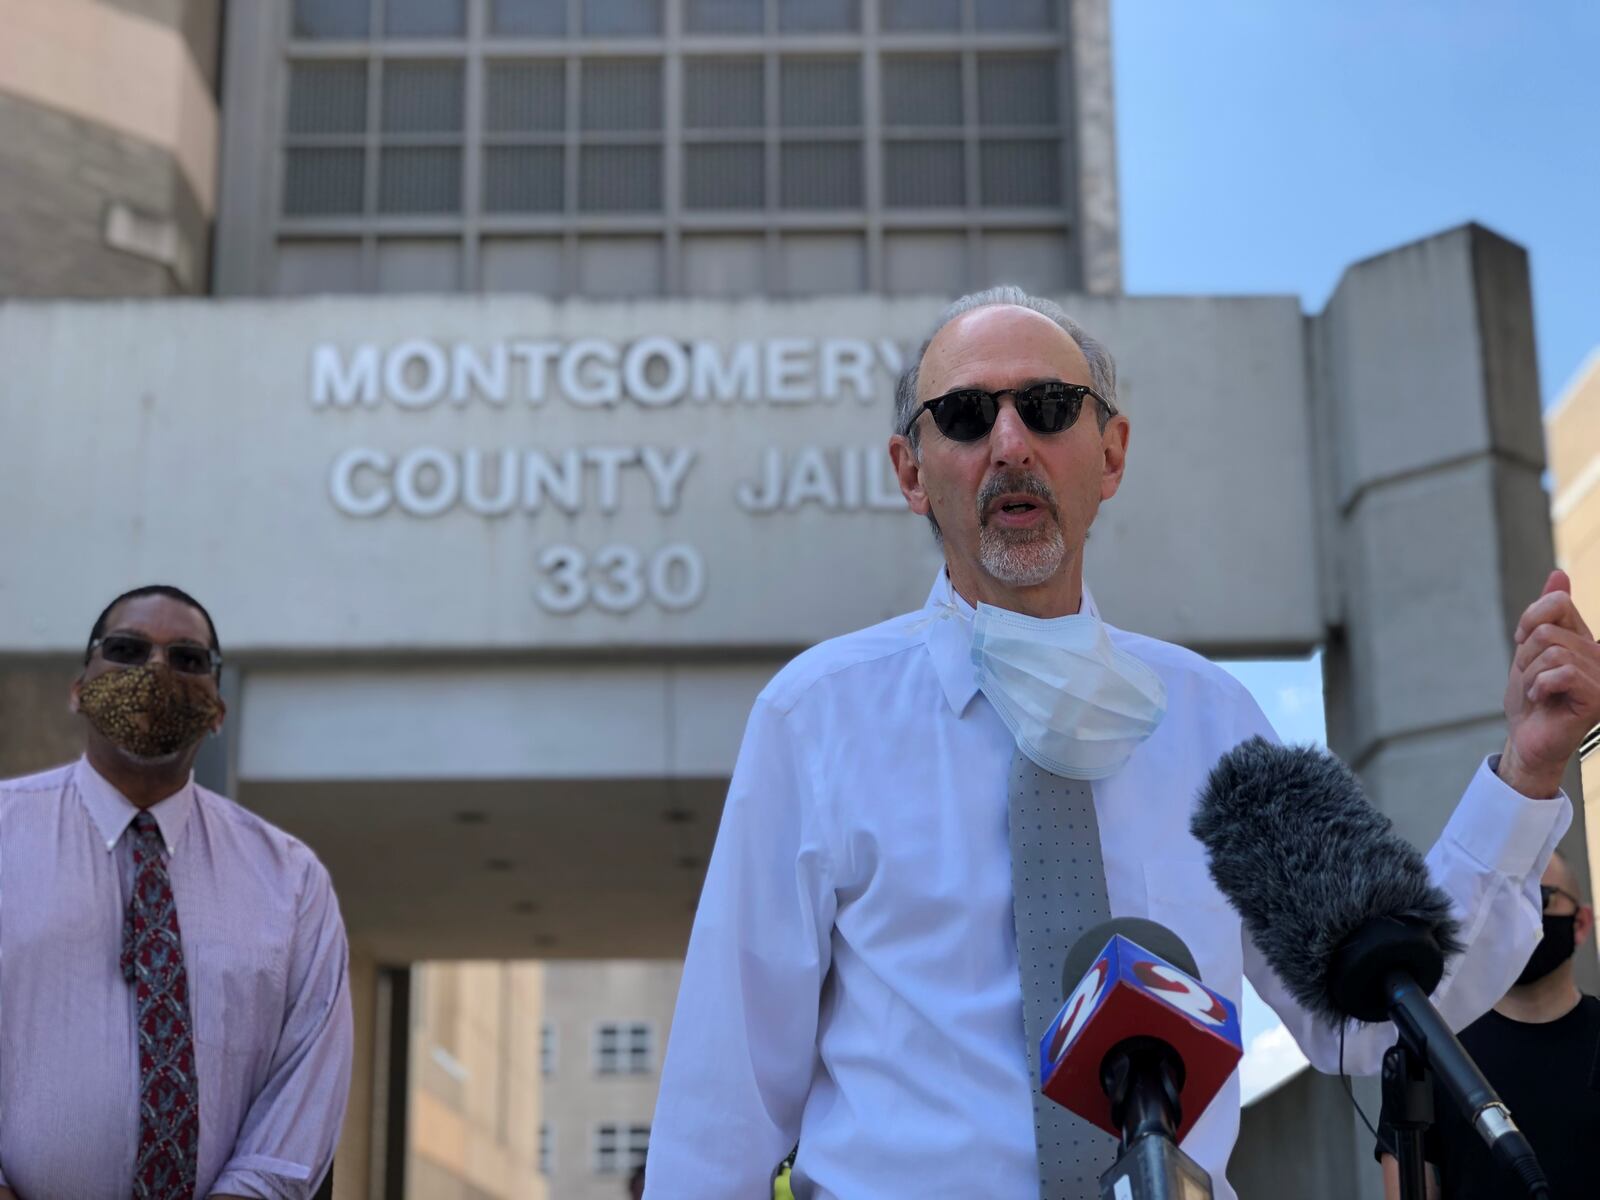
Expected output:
{"points": [[969, 414], [133, 650], [1548, 893]]}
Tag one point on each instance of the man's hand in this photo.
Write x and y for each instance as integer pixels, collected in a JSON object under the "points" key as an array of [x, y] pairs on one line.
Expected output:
{"points": [[1553, 694]]}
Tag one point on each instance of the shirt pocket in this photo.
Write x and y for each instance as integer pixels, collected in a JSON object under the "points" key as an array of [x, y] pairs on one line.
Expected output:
{"points": [[1180, 895], [238, 990]]}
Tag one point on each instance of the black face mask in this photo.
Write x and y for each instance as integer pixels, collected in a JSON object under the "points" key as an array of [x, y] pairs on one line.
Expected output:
{"points": [[1554, 950]]}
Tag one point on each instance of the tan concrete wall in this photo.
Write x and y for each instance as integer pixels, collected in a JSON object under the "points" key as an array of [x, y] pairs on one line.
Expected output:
{"points": [[1572, 428], [478, 1097], [476, 1089], [578, 997], [1572, 434], [122, 71]]}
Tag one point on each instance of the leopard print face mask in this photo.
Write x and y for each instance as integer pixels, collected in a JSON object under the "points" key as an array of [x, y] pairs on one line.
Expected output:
{"points": [[149, 711]]}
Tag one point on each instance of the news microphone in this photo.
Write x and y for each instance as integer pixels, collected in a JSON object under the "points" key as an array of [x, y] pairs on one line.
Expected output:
{"points": [[1343, 910], [1140, 1048]]}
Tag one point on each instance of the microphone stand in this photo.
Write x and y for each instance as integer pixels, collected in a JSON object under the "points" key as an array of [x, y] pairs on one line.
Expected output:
{"points": [[1143, 1078], [1386, 969], [1408, 1095]]}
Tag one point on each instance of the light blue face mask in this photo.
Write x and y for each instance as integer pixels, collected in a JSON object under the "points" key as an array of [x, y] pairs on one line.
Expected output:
{"points": [[1077, 705]]}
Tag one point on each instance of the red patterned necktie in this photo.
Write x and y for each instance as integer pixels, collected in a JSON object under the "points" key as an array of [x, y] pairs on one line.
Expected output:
{"points": [[169, 1092]]}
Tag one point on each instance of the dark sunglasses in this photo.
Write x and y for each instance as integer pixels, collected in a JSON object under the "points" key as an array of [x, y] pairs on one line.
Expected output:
{"points": [[132, 650], [969, 414], [1548, 893]]}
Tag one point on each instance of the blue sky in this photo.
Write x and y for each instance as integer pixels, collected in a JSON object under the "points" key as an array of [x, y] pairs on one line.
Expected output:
{"points": [[1289, 691], [1264, 146]]}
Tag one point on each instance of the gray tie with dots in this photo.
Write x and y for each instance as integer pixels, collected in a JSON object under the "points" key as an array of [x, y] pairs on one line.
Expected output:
{"points": [[1058, 891]]}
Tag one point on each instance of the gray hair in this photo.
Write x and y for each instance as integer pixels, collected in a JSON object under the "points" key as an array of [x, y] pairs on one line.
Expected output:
{"points": [[1102, 368]]}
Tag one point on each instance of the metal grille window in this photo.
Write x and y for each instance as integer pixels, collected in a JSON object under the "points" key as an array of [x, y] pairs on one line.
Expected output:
{"points": [[387, 155], [924, 174], [1021, 174], [922, 90], [419, 163], [332, 18], [422, 97], [724, 16], [724, 117], [923, 116], [725, 175], [618, 171], [323, 181], [819, 112], [528, 18], [1018, 90], [624, 1049], [622, 94], [328, 97], [723, 93], [525, 97], [905, 15], [525, 121], [1019, 114], [1016, 14], [621, 18], [819, 16], [819, 92], [424, 18], [325, 160], [619, 178]]}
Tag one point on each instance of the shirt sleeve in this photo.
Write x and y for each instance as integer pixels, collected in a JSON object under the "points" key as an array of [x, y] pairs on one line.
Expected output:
{"points": [[1488, 860], [287, 1140], [740, 1057]]}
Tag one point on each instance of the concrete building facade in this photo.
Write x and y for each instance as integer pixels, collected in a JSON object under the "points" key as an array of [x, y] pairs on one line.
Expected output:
{"points": [[501, 560]]}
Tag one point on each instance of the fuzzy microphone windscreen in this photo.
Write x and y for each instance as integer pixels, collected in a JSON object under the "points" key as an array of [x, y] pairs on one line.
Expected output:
{"points": [[1306, 860]]}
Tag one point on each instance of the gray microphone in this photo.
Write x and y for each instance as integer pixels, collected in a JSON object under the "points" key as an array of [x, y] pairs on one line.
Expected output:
{"points": [[1344, 912]]}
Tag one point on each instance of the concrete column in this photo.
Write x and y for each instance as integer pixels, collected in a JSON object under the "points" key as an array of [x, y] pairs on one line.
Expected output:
{"points": [[217, 765], [1437, 527], [352, 1174], [1435, 534]]}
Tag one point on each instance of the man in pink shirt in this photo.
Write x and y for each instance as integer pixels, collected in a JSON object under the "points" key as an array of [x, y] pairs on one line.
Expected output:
{"points": [[174, 1004]]}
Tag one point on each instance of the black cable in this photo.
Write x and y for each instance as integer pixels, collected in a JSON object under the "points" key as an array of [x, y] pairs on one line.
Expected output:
{"points": [[1351, 1092]]}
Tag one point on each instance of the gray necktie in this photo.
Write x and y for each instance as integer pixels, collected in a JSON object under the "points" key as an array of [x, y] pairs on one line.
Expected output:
{"points": [[1058, 890]]}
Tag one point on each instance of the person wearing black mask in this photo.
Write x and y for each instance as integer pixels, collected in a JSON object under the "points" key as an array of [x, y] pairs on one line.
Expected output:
{"points": [[1540, 1048]]}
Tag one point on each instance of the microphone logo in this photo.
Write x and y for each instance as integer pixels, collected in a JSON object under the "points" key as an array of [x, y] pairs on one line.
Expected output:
{"points": [[1178, 990], [1076, 1012]]}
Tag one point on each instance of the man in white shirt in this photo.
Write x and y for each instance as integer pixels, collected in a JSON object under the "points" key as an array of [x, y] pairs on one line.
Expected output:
{"points": [[853, 981]]}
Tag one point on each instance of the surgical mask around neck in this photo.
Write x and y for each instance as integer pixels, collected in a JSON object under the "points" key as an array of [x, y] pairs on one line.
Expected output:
{"points": [[1078, 706]]}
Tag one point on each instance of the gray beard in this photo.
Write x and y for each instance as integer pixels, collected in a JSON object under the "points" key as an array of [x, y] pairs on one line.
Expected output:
{"points": [[1024, 561]]}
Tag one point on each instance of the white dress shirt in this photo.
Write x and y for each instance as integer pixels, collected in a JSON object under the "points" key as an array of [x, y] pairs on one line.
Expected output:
{"points": [[852, 983]]}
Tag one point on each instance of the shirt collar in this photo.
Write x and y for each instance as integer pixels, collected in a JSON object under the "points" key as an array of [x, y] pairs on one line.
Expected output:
{"points": [[947, 633], [112, 812]]}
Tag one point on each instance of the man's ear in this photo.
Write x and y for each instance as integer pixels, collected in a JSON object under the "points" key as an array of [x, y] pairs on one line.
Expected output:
{"points": [[908, 472], [1583, 925], [1114, 449]]}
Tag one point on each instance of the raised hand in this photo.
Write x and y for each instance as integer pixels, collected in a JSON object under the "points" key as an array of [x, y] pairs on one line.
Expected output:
{"points": [[1553, 693]]}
